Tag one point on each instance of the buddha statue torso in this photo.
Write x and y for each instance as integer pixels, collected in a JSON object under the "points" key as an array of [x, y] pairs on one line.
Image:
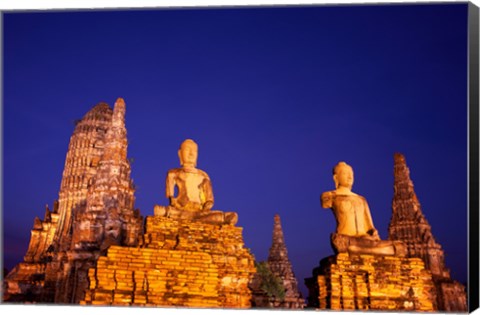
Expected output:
{"points": [[194, 198], [352, 215], [355, 232], [194, 189]]}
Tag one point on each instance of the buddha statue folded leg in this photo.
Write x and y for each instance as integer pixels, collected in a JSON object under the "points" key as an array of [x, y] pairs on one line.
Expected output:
{"points": [[366, 245], [211, 216], [174, 213], [218, 217]]}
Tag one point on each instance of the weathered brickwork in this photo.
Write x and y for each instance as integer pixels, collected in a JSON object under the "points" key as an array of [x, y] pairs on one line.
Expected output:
{"points": [[409, 225], [180, 263], [153, 277], [367, 282], [94, 211]]}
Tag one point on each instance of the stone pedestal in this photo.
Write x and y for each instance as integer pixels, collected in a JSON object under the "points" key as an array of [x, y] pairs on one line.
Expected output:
{"points": [[367, 282], [180, 263]]}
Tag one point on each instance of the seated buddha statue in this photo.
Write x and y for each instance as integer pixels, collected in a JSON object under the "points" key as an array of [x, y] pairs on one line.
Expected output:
{"points": [[355, 232], [194, 199]]}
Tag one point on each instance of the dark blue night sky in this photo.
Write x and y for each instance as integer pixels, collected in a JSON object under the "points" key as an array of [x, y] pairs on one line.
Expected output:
{"points": [[274, 97]]}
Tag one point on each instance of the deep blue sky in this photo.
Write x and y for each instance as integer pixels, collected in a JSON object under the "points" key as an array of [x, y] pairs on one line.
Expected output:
{"points": [[274, 97]]}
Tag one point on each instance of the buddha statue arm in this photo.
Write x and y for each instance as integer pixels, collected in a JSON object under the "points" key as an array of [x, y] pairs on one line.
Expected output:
{"points": [[326, 199], [208, 194], [371, 230], [170, 186]]}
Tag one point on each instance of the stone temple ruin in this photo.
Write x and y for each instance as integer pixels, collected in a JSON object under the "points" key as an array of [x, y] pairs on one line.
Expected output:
{"points": [[94, 210], [406, 272], [95, 248]]}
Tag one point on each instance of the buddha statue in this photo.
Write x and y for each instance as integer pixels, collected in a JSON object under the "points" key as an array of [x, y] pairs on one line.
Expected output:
{"points": [[355, 232], [194, 199]]}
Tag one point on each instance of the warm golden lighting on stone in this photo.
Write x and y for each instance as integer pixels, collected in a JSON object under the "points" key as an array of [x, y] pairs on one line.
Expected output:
{"points": [[182, 263], [355, 231], [194, 200]]}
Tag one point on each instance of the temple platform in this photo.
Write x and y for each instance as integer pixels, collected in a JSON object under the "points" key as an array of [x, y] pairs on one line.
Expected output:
{"points": [[368, 282], [181, 263]]}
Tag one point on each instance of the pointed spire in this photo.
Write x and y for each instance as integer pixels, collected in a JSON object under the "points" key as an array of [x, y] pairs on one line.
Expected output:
{"points": [[278, 249], [281, 267], [116, 137], [118, 119], [408, 223], [405, 204], [404, 190]]}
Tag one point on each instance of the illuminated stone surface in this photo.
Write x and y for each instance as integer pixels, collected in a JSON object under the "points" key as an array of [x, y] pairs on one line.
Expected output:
{"points": [[94, 210], [371, 282], [194, 199], [355, 232], [181, 263], [409, 225], [92, 248], [366, 273]]}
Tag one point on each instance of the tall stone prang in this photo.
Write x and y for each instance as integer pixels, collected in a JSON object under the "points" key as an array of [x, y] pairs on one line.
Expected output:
{"points": [[94, 210], [84, 152], [281, 267], [110, 199], [409, 225]]}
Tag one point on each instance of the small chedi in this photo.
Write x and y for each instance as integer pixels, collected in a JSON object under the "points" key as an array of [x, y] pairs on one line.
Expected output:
{"points": [[95, 209], [409, 225], [191, 256], [277, 276], [366, 273]]}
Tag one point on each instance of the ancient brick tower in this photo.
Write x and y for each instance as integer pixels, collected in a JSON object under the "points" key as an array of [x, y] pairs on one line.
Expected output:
{"points": [[94, 209], [281, 267], [408, 224], [274, 284]]}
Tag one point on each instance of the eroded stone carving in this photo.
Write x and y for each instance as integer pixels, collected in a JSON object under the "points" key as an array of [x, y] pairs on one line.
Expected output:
{"points": [[95, 210], [194, 200], [355, 232]]}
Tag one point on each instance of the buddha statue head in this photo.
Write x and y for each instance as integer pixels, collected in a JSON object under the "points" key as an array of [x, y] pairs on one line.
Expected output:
{"points": [[188, 153], [343, 175]]}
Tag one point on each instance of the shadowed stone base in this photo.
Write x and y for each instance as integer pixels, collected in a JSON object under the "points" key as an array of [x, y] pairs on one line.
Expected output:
{"points": [[368, 282], [25, 283]]}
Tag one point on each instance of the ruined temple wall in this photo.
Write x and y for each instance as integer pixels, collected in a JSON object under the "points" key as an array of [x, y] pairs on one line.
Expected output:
{"points": [[366, 282], [181, 263], [24, 283], [153, 277]]}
